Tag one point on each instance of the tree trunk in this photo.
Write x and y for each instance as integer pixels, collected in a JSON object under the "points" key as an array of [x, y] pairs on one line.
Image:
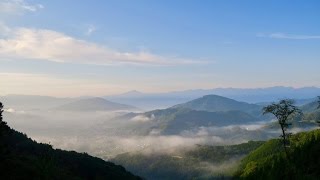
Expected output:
{"points": [[284, 140]]}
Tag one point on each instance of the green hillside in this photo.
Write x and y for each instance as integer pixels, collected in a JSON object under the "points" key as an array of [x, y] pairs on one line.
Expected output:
{"points": [[23, 158], [201, 162], [270, 162]]}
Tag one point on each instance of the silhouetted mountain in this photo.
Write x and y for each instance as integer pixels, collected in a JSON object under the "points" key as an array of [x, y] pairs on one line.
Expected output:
{"points": [[95, 104]]}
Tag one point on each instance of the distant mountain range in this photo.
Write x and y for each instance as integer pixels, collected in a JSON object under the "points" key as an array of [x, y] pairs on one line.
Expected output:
{"points": [[31, 102], [95, 104], [151, 101]]}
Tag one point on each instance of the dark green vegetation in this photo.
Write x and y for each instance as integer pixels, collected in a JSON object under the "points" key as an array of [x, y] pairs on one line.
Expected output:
{"points": [[23, 158], [270, 162], [283, 111], [200, 162], [309, 119]]}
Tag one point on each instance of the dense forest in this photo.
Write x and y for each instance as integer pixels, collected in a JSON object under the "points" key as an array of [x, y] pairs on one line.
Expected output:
{"points": [[23, 158], [200, 162], [269, 161]]}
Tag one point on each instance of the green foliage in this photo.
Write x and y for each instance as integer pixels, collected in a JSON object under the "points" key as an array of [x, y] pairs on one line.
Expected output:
{"points": [[23, 158], [283, 111], [269, 162], [202, 162]]}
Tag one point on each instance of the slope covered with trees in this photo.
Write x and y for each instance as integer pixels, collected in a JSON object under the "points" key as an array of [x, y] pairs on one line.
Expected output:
{"points": [[271, 162], [23, 158], [200, 162]]}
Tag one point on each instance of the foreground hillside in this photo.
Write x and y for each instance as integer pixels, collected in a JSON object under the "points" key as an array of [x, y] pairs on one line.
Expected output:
{"points": [[200, 162], [269, 160], [23, 158]]}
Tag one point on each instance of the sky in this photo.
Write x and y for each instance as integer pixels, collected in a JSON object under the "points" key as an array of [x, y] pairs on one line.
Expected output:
{"points": [[79, 48]]}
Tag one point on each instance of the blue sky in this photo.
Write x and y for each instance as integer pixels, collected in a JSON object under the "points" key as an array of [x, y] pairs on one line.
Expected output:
{"points": [[73, 48]]}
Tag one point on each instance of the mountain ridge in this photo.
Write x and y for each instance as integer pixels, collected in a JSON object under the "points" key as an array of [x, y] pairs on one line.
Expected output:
{"points": [[94, 104]]}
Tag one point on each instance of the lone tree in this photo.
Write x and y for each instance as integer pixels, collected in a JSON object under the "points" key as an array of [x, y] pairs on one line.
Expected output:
{"points": [[284, 110]]}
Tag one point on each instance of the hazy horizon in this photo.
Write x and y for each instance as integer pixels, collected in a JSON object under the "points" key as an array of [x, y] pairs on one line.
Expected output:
{"points": [[160, 92]]}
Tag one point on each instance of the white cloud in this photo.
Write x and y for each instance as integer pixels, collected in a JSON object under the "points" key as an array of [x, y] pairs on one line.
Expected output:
{"points": [[289, 36], [142, 118], [18, 7], [43, 44]]}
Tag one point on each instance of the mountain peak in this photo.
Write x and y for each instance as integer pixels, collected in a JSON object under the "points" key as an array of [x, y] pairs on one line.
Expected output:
{"points": [[213, 96], [217, 103], [133, 92]]}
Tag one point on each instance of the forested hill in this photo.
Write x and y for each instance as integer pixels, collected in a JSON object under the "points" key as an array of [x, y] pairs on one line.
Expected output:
{"points": [[270, 162], [23, 158]]}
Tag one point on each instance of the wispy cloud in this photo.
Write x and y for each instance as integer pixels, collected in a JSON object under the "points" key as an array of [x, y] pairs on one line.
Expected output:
{"points": [[91, 29], [18, 7], [43, 44], [288, 36]]}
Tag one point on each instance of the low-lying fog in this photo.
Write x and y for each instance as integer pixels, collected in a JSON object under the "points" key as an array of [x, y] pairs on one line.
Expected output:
{"points": [[103, 135]]}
